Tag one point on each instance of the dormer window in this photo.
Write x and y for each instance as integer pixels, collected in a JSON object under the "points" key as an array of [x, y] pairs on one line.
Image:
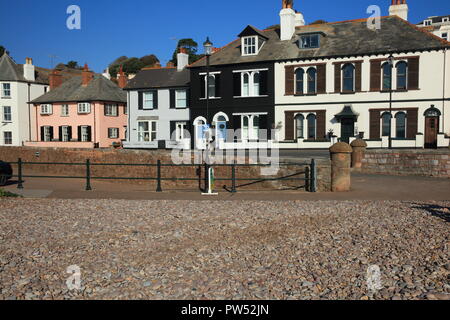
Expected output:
{"points": [[252, 40], [427, 22], [310, 41], [446, 19], [249, 46]]}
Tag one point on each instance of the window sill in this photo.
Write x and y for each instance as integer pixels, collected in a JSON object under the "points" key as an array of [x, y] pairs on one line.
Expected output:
{"points": [[211, 98], [46, 114], [7, 97], [347, 92], [4, 121], [84, 113]]}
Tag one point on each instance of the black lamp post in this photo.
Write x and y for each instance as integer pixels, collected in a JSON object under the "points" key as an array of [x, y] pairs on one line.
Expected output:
{"points": [[207, 45], [391, 65]]}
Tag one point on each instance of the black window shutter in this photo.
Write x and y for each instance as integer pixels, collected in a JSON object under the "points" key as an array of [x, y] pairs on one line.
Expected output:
{"points": [[263, 126], [51, 133], [60, 133], [202, 87], [237, 84], [79, 133], [172, 99], [141, 100], [263, 78], [188, 97], [89, 133], [42, 133], [155, 99], [104, 109], [172, 130], [236, 126], [69, 133], [218, 85]]}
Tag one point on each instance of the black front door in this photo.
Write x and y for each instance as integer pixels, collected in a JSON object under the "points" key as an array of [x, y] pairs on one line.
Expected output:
{"points": [[347, 129]]}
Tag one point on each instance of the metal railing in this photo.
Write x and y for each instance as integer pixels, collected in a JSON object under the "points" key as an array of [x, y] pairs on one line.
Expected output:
{"points": [[310, 173]]}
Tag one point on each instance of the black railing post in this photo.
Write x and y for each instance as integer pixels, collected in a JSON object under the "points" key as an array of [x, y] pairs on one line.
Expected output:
{"points": [[313, 176], [308, 178], [158, 180], [19, 164], [88, 175], [206, 178], [233, 178]]}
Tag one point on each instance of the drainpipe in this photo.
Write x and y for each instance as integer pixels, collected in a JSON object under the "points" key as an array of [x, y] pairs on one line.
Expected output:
{"points": [[29, 113], [443, 91]]}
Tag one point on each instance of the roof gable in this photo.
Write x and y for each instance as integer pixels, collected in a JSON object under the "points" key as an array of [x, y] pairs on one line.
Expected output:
{"points": [[9, 70], [251, 31], [72, 90]]}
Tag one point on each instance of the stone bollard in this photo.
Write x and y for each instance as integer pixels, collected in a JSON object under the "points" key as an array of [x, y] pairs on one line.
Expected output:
{"points": [[340, 167], [359, 148]]}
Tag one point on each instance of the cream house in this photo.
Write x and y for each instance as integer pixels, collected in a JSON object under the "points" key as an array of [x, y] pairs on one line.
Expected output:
{"points": [[335, 81]]}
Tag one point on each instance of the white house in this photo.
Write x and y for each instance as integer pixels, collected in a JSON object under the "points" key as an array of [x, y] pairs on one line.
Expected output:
{"points": [[439, 26], [19, 84], [158, 101]]}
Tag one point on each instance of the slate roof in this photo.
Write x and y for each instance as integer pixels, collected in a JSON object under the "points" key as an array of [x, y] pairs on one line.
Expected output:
{"points": [[347, 38], [11, 71], [159, 78], [437, 19], [98, 89]]}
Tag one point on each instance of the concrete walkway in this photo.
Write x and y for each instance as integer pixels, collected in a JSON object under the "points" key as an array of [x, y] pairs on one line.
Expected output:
{"points": [[364, 187]]}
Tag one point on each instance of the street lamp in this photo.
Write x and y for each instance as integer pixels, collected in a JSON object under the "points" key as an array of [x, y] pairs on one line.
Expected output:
{"points": [[391, 65], [207, 45]]}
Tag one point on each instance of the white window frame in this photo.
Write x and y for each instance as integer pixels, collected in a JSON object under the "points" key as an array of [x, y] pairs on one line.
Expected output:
{"points": [[427, 22], [144, 100], [251, 84], [249, 48], [84, 134], [6, 90], [445, 19], [46, 109], [446, 35], [64, 110], [7, 116], [10, 139], [177, 92], [342, 77], [111, 110], [250, 133], [84, 108], [301, 42], [150, 131], [64, 134], [179, 132], [113, 133]]}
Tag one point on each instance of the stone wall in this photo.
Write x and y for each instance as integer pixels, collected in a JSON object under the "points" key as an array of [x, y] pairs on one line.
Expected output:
{"points": [[432, 163], [30, 154]]}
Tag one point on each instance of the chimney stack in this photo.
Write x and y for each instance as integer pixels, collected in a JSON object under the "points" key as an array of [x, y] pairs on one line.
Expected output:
{"points": [[287, 20], [182, 59], [399, 8], [55, 79], [122, 78], [86, 75], [170, 64], [29, 70]]}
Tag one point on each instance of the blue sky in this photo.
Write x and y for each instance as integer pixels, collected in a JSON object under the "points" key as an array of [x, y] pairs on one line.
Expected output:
{"points": [[112, 28]]}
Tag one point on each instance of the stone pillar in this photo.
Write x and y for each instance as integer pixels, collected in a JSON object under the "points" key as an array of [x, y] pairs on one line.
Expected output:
{"points": [[359, 148], [340, 167]]}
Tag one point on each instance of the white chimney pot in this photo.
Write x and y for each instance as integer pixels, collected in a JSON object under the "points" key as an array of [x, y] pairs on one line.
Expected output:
{"points": [[287, 24]]}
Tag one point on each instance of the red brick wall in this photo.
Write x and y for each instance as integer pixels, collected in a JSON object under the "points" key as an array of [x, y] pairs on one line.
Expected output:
{"points": [[28, 154]]}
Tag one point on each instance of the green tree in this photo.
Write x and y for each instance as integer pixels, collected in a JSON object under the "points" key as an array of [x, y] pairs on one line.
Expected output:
{"points": [[2, 50], [149, 60], [72, 65], [191, 46], [319, 22]]}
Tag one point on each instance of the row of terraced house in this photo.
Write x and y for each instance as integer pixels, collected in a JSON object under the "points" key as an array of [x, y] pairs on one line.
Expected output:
{"points": [[292, 86]]}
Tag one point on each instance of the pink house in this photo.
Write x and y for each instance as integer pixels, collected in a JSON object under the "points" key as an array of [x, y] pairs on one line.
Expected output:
{"points": [[83, 112]]}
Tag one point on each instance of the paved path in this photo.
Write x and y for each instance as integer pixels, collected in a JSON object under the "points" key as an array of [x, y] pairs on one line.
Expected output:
{"points": [[364, 187]]}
